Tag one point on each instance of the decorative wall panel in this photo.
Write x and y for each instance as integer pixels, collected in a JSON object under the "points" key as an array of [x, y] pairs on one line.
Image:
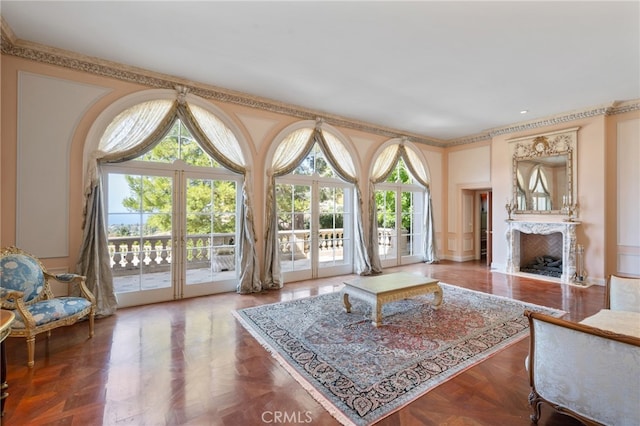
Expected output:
{"points": [[48, 111]]}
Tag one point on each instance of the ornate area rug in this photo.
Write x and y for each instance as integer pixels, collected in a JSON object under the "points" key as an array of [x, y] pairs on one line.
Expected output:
{"points": [[361, 373]]}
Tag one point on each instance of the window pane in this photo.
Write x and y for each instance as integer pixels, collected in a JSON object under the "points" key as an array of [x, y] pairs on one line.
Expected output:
{"points": [[211, 228], [139, 221], [178, 143], [315, 162]]}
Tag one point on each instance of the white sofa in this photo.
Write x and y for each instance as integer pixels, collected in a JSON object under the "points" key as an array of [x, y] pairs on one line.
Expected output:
{"points": [[590, 370]]}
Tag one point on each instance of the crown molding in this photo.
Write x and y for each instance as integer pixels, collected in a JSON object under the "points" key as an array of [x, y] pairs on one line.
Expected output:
{"points": [[465, 140], [612, 108], [10, 45], [74, 61]]}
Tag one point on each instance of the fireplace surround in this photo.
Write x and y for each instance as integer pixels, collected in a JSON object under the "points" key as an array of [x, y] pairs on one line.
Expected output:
{"points": [[568, 230]]}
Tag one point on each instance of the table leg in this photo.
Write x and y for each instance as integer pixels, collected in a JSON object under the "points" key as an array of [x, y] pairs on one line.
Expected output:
{"points": [[376, 314], [437, 298], [347, 304], [3, 377]]}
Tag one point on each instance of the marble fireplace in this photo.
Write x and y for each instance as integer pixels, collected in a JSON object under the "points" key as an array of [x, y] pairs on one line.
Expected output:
{"points": [[560, 239]]}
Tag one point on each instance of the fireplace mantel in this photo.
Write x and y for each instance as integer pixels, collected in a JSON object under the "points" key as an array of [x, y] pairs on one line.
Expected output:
{"points": [[568, 230]]}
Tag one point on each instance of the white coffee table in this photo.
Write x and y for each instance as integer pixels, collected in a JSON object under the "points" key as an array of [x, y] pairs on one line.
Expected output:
{"points": [[381, 289]]}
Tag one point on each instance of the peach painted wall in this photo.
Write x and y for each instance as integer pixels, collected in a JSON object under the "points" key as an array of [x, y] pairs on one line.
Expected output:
{"points": [[468, 169], [622, 215], [12, 68]]}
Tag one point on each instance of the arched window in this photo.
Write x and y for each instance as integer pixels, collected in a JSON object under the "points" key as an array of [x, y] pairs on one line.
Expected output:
{"points": [[172, 222], [402, 223], [314, 225], [538, 190], [165, 150]]}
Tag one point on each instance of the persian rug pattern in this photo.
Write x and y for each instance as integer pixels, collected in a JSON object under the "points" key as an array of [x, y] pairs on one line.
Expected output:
{"points": [[361, 373]]}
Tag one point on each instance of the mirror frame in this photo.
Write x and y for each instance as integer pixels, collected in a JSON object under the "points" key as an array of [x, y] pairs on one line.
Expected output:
{"points": [[543, 146]]}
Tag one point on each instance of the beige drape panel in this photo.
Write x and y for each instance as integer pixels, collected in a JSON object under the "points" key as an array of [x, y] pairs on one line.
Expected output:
{"points": [[382, 168], [132, 133], [288, 155]]}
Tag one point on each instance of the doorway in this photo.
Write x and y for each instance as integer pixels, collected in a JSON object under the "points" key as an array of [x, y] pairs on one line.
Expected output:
{"points": [[484, 217]]}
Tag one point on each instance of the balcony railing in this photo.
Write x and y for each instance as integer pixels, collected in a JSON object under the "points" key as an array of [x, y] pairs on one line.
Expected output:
{"points": [[132, 255]]}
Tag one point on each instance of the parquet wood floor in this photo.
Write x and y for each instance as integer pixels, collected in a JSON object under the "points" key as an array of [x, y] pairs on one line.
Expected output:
{"points": [[190, 362]]}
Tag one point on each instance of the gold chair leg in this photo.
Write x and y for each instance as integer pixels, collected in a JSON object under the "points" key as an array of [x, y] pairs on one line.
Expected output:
{"points": [[31, 350], [91, 321]]}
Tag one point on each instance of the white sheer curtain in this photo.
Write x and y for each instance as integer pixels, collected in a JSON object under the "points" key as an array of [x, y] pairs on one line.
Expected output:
{"points": [[381, 170], [219, 137], [288, 155]]}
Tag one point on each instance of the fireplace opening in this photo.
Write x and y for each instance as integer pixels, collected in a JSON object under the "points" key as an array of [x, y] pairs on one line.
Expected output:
{"points": [[541, 254], [544, 265]]}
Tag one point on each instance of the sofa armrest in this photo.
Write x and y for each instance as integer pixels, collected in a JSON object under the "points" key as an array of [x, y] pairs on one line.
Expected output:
{"points": [[588, 373]]}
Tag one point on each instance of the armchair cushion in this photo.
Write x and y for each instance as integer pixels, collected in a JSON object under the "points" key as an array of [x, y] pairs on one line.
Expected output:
{"points": [[623, 322], [51, 310]]}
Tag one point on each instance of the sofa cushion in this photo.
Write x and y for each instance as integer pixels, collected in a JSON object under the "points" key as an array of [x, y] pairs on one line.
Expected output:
{"points": [[622, 322]]}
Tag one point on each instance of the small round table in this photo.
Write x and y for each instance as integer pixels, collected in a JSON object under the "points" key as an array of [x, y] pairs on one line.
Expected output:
{"points": [[6, 318]]}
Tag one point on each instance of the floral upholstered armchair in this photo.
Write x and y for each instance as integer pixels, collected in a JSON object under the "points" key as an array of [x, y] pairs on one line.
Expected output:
{"points": [[26, 291]]}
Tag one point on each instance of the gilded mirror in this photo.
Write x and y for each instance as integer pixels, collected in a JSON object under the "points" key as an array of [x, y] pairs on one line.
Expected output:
{"points": [[543, 175]]}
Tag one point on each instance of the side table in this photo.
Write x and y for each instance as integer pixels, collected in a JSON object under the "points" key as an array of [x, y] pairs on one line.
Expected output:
{"points": [[6, 318]]}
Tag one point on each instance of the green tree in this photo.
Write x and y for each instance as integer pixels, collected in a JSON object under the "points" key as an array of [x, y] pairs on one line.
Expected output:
{"points": [[210, 204], [385, 200], [293, 203]]}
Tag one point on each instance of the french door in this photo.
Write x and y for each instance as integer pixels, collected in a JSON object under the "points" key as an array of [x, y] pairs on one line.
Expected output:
{"points": [[172, 231], [400, 223], [315, 227]]}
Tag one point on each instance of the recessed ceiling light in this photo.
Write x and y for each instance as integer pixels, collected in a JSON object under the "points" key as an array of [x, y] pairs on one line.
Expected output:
{"points": [[524, 111]]}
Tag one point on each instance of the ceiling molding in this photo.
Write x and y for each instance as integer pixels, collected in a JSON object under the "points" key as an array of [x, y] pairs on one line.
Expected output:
{"points": [[609, 109], [480, 137], [71, 60]]}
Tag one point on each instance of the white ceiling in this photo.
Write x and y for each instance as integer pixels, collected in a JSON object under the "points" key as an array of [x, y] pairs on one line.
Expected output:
{"points": [[443, 70]]}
